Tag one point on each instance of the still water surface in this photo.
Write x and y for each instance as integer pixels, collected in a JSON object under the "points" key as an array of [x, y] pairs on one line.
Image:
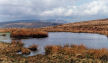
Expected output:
{"points": [[64, 38]]}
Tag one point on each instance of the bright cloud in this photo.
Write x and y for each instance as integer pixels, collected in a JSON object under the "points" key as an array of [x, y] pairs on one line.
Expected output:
{"points": [[92, 8], [31, 9]]}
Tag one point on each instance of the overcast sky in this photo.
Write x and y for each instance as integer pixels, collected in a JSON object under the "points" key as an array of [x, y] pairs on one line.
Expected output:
{"points": [[59, 9]]}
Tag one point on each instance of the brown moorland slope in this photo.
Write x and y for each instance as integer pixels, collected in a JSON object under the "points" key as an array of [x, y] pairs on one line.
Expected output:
{"points": [[94, 26]]}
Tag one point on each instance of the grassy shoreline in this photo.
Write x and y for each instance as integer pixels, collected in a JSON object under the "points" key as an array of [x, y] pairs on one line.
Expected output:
{"points": [[54, 54]]}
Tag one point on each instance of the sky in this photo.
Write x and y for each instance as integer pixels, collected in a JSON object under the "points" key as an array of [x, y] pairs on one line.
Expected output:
{"points": [[68, 10]]}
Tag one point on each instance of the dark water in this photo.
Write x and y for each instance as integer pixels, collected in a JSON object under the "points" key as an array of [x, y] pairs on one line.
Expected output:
{"points": [[64, 38]]}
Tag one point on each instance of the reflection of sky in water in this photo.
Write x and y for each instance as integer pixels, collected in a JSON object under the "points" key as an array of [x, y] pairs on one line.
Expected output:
{"points": [[63, 38]]}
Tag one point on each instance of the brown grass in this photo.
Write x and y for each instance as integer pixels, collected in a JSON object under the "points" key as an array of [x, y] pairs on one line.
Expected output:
{"points": [[8, 53], [95, 26], [24, 33], [25, 51], [51, 49], [54, 54], [79, 51], [19, 42], [70, 54]]}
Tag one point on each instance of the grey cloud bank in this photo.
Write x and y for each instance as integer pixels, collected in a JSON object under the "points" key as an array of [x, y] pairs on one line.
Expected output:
{"points": [[45, 9]]}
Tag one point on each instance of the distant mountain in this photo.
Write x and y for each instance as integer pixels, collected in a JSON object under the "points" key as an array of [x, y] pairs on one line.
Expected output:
{"points": [[27, 24]]}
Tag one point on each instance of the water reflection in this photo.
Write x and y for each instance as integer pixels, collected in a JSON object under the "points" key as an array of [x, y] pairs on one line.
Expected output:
{"points": [[63, 38]]}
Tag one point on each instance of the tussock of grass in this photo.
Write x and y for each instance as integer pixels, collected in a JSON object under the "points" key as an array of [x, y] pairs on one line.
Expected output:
{"points": [[18, 42], [8, 53], [23, 33], [25, 51], [75, 54], [54, 54], [51, 49]]}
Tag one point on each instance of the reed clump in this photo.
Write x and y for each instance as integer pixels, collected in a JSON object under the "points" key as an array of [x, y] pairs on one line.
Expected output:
{"points": [[52, 49], [25, 51], [71, 54], [78, 51], [8, 53], [27, 33], [17, 42]]}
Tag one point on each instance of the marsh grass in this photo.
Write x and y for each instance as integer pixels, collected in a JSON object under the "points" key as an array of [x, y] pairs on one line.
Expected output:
{"points": [[25, 33], [70, 54], [54, 54], [78, 51], [18, 42], [52, 49], [25, 51]]}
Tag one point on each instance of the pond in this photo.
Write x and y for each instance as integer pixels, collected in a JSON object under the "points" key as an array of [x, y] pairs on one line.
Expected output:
{"points": [[64, 38]]}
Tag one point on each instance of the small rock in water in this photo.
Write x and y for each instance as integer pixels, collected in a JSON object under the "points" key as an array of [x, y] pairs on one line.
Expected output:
{"points": [[33, 47]]}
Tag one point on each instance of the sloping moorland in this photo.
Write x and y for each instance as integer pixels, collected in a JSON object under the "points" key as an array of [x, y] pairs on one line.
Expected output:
{"points": [[94, 26]]}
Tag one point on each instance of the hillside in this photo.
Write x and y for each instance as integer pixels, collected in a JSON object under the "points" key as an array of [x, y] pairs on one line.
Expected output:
{"points": [[94, 26], [26, 24]]}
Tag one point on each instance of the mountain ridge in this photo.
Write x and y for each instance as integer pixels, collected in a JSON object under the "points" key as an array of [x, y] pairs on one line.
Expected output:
{"points": [[27, 24]]}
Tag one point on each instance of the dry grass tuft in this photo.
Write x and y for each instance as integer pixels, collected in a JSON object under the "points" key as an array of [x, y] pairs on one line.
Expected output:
{"points": [[52, 49], [25, 51], [71, 54], [78, 51], [17, 42]]}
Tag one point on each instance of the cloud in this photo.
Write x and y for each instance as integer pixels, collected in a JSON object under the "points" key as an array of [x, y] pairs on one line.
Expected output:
{"points": [[23, 8], [92, 8], [31, 9], [96, 7], [60, 11]]}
